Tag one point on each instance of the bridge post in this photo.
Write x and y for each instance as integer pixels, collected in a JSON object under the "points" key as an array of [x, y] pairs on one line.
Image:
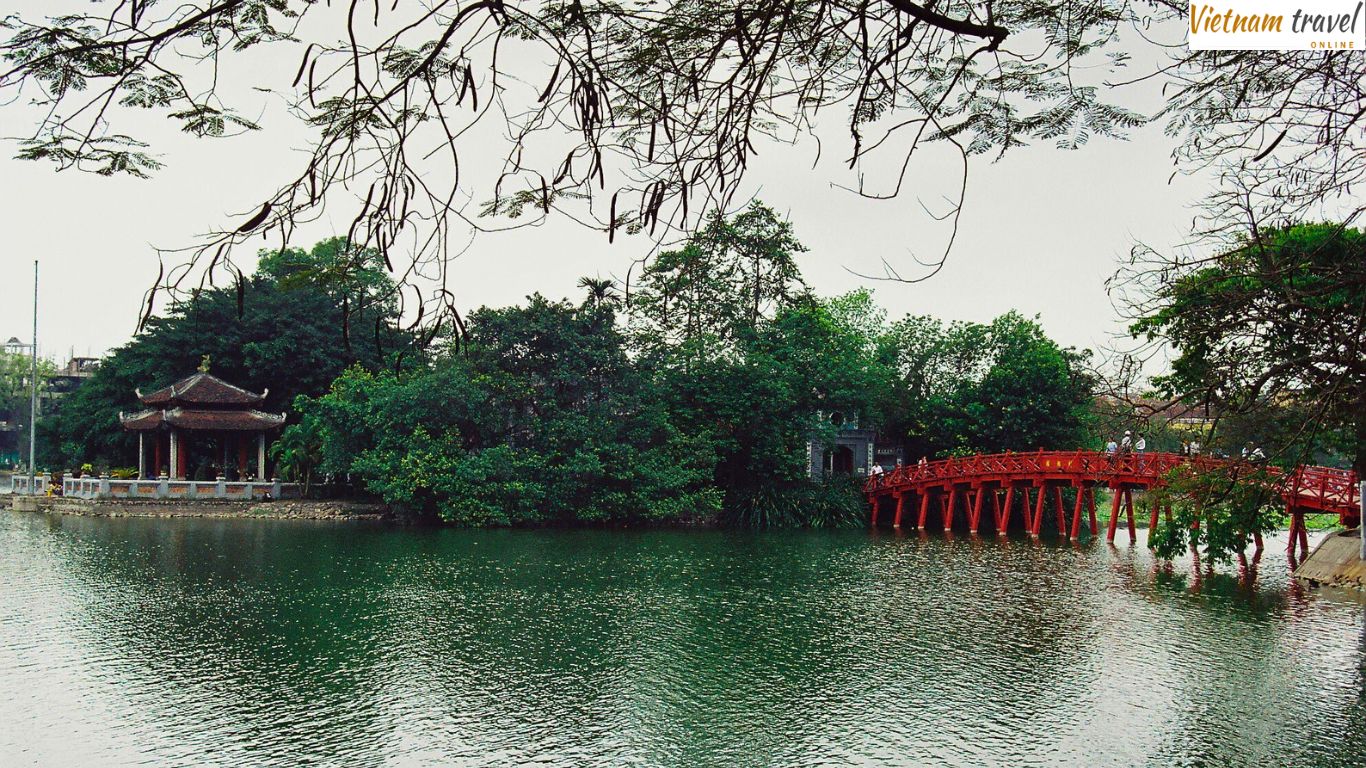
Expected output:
{"points": [[948, 507], [1091, 509], [900, 503], [1003, 516], [1037, 525], [876, 500], [924, 509], [976, 518], [1003, 519], [1152, 524], [1118, 499], [1129, 514], [1058, 508], [1076, 513], [1295, 523]]}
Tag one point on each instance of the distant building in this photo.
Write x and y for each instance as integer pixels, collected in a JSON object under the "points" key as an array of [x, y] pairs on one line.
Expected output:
{"points": [[854, 451], [1148, 410], [14, 346], [72, 375]]}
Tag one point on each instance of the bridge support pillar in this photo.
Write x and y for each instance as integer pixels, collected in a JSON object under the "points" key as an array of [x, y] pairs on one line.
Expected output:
{"points": [[924, 510], [949, 504], [876, 501], [900, 504], [975, 519], [1076, 513], [1003, 515], [1059, 511], [1299, 536], [1114, 513], [1129, 515], [1037, 525], [1091, 510]]}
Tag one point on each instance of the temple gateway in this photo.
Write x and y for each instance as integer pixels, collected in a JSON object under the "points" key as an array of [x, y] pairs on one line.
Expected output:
{"points": [[202, 426]]}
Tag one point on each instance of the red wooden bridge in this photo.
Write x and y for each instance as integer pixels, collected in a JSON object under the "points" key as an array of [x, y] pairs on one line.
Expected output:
{"points": [[1010, 487]]}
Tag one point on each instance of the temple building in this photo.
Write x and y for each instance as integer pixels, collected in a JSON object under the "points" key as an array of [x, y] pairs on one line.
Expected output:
{"points": [[202, 426]]}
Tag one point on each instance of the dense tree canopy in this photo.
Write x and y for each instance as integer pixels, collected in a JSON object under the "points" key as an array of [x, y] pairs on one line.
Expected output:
{"points": [[707, 409], [542, 419], [289, 336], [967, 387], [1276, 323]]}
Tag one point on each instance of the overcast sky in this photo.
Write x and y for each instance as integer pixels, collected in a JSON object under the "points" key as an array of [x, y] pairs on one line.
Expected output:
{"points": [[1042, 230]]}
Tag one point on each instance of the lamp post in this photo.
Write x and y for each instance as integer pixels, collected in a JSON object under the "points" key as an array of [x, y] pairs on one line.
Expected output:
{"points": [[33, 392]]}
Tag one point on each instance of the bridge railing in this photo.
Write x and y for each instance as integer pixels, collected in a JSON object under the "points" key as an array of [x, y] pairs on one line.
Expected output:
{"points": [[1319, 488]]}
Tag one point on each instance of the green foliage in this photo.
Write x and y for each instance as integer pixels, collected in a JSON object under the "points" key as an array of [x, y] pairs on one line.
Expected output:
{"points": [[966, 388], [15, 372], [706, 408], [715, 290], [542, 419], [1274, 323], [748, 361], [835, 502], [1218, 512], [292, 337]]}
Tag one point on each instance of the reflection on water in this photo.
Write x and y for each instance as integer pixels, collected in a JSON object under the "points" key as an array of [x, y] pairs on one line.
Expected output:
{"points": [[237, 642]]}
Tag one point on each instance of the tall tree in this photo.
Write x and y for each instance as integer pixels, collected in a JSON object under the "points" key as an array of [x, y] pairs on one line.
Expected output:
{"points": [[968, 387], [289, 336], [1277, 321], [542, 418], [715, 290]]}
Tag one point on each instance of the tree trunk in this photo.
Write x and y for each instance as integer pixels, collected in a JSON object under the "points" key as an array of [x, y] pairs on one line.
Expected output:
{"points": [[1359, 452]]}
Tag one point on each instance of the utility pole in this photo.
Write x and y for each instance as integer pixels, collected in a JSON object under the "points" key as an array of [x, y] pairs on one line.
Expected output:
{"points": [[33, 393]]}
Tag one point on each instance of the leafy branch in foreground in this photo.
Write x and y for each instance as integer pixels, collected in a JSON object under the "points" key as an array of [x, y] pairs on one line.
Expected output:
{"points": [[631, 118], [1220, 512]]}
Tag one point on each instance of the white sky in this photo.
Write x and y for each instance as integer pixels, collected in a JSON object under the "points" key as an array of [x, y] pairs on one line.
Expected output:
{"points": [[1042, 230]]}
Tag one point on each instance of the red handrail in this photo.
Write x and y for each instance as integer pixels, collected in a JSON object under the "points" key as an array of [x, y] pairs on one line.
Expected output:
{"points": [[1309, 488]]}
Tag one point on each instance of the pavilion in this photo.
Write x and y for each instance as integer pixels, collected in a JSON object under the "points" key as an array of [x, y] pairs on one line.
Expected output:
{"points": [[202, 415]]}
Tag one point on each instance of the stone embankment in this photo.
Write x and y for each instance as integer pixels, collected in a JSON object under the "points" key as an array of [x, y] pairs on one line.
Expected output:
{"points": [[1336, 562], [274, 510]]}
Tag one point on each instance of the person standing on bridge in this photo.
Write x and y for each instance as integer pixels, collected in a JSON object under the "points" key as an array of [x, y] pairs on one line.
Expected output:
{"points": [[1127, 443], [1140, 445]]}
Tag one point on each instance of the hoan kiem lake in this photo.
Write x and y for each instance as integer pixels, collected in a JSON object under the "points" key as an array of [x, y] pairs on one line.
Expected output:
{"points": [[197, 642]]}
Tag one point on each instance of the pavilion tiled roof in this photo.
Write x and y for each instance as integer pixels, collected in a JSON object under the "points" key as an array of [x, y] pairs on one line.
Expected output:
{"points": [[202, 389], [246, 420]]}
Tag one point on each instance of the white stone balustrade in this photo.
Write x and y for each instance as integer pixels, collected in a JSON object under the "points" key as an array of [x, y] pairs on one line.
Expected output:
{"points": [[103, 487]]}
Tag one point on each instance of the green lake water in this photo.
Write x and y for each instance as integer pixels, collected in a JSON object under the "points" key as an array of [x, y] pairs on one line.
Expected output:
{"points": [[286, 643]]}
